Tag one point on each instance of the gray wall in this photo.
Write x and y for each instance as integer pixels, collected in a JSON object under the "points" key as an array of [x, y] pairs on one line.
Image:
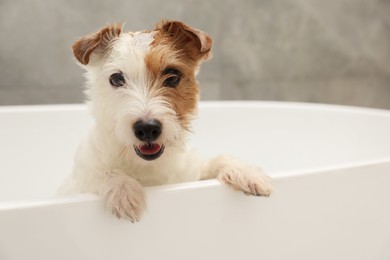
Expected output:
{"points": [[335, 51]]}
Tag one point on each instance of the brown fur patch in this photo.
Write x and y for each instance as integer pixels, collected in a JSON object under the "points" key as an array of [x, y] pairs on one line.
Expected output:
{"points": [[194, 42], [96, 42], [181, 47]]}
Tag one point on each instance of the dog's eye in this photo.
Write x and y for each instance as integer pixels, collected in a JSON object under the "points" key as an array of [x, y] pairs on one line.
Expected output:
{"points": [[173, 77], [117, 80]]}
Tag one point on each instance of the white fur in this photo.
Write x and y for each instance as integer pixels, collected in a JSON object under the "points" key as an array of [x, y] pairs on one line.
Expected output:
{"points": [[106, 162]]}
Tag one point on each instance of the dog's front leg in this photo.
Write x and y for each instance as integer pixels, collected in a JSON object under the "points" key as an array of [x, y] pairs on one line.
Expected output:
{"points": [[240, 176], [123, 195]]}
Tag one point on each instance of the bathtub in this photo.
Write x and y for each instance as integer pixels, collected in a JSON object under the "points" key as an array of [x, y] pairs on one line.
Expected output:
{"points": [[330, 166]]}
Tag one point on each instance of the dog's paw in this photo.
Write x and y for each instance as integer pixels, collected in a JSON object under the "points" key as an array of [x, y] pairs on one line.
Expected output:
{"points": [[251, 183], [124, 197], [248, 179]]}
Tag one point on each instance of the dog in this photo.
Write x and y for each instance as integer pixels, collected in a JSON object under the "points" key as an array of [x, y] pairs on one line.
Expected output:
{"points": [[143, 95]]}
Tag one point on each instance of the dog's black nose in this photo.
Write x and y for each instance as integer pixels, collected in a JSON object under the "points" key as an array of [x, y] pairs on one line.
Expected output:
{"points": [[147, 130]]}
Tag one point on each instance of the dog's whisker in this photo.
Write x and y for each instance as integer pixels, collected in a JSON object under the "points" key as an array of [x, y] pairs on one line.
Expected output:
{"points": [[123, 151]]}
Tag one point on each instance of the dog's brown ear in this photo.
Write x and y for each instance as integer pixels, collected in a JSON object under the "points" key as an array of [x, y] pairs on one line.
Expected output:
{"points": [[194, 41], [97, 42]]}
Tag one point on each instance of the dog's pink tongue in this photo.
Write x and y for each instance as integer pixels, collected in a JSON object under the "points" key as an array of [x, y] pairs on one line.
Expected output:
{"points": [[149, 149]]}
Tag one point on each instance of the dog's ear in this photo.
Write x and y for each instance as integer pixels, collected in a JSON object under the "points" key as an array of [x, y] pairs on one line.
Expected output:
{"points": [[195, 42], [95, 43]]}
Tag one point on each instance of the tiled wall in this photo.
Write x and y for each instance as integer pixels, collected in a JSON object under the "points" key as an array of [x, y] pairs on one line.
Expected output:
{"points": [[335, 51]]}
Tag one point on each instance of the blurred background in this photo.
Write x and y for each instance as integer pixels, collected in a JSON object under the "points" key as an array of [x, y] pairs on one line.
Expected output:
{"points": [[335, 51]]}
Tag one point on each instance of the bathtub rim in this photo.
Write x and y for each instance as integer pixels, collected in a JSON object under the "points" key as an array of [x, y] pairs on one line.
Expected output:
{"points": [[217, 103], [194, 185]]}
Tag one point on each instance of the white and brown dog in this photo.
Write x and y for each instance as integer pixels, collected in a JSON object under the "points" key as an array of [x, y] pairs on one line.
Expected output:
{"points": [[143, 95]]}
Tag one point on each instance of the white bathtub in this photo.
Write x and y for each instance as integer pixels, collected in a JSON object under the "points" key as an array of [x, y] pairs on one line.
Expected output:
{"points": [[331, 170]]}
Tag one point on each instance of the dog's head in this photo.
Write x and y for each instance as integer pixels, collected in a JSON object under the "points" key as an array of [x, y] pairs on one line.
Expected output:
{"points": [[142, 85]]}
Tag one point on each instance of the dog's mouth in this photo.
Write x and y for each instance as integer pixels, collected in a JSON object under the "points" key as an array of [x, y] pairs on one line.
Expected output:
{"points": [[149, 151]]}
